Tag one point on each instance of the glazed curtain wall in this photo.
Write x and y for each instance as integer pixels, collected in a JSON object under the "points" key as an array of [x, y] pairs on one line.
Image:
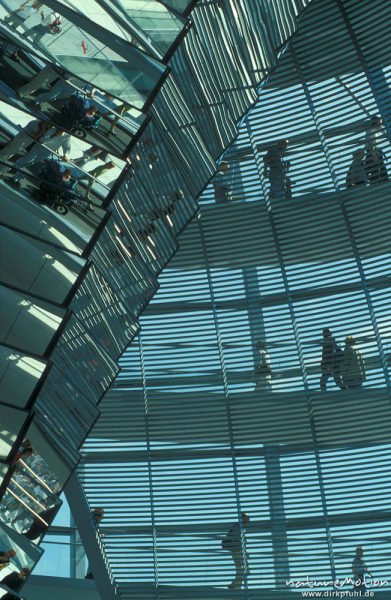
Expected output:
{"points": [[195, 441]]}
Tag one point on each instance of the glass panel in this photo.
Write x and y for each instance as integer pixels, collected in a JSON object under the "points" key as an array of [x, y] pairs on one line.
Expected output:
{"points": [[90, 59], [77, 414], [3, 472], [12, 421], [19, 375], [26, 322], [40, 268], [153, 19], [26, 553], [96, 119], [97, 14], [178, 5], [83, 221], [56, 562], [55, 461]]}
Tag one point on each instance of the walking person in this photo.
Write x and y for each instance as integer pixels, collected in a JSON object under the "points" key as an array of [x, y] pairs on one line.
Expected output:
{"points": [[263, 370], [359, 569], [352, 366], [357, 174], [374, 132], [235, 543], [222, 183], [276, 169], [330, 365]]}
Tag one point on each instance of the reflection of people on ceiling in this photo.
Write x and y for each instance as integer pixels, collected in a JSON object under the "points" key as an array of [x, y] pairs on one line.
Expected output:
{"points": [[25, 11], [263, 370], [14, 581], [26, 136], [6, 557], [276, 169], [92, 153], [222, 183], [356, 174], [44, 79], [54, 140], [50, 24]]}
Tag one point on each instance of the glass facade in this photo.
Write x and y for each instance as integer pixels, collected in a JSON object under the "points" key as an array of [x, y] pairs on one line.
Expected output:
{"points": [[202, 432], [233, 396]]}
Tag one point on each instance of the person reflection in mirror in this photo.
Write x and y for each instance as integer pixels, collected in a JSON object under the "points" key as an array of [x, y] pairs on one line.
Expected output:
{"points": [[26, 136], [14, 581], [356, 174], [235, 543], [26, 10], [24, 451], [54, 140], [95, 174], [276, 169], [97, 514], [18, 18], [50, 24], [63, 88], [262, 371], [92, 153], [353, 365], [44, 79], [330, 365], [5, 557], [120, 110]]}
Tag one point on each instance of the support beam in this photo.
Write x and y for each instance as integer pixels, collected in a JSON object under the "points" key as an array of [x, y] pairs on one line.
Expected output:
{"points": [[91, 539]]}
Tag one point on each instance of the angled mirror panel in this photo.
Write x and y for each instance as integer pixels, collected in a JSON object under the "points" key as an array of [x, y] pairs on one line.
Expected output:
{"points": [[94, 11], [69, 208], [29, 502], [46, 172], [58, 467], [45, 88], [179, 6], [58, 166], [27, 553], [37, 267], [26, 322], [92, 60], [80, 358], [12, 421], [77, 413], [3, 472], [45, 225], [19, 376], [154, 20]]}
